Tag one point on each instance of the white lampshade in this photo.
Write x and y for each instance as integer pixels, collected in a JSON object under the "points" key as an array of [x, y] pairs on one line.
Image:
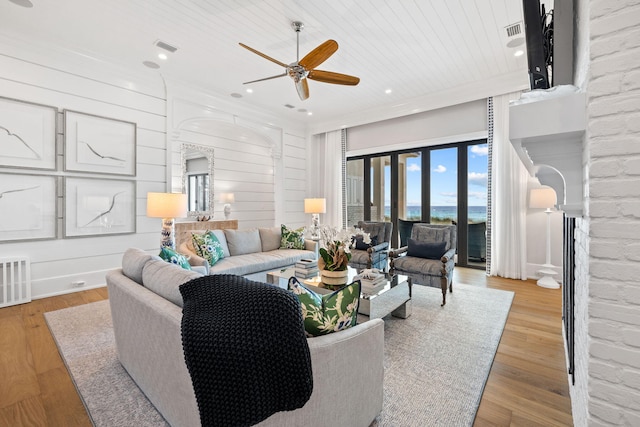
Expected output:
{"points": [[166, 205], [315, 206], [542, 198], [226, 198]]}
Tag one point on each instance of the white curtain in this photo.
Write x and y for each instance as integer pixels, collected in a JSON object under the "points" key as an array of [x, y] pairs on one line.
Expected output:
{"points": [[509, 198], [331, 177]]}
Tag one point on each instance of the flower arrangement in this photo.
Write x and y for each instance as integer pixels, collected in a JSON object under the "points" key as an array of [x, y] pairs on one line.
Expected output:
{"points": [[335, 245]]}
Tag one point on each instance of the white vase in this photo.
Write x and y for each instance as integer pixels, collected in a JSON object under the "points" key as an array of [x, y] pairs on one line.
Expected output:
{"points": [[334, 278]]}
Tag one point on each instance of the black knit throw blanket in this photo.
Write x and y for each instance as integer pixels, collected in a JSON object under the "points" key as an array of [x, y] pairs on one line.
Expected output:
{"points": [[245, 349]]}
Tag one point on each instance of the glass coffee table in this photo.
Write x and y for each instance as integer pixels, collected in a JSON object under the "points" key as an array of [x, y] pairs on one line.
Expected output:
{"points": [[394, 298]]}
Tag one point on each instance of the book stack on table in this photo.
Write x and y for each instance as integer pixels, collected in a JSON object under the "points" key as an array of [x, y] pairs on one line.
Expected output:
{"points": [[306, 268], [372, 281]]}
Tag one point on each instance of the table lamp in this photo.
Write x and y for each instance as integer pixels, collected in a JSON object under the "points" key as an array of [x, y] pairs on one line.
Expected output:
{"points": [[167, 206], [315, 207], [227, 199], [545, 198]]}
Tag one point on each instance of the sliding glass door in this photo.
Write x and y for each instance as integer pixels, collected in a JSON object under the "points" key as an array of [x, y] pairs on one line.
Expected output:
{"points": [[443, 177], [477, 173], [410, 186], [380, 189], [440, 185]]}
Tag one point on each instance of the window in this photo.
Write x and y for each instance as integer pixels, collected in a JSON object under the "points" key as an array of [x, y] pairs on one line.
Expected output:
{"points": [[438, 184]]}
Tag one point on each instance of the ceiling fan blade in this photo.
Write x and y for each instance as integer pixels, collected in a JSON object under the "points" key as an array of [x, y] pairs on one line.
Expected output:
{"points": [[318, 55], [331, 77], [263, 55], [303, 89], [266, 78]]}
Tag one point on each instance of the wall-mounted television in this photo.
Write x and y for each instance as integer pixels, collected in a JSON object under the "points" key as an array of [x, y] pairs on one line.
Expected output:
{"points": [[538, 26]]}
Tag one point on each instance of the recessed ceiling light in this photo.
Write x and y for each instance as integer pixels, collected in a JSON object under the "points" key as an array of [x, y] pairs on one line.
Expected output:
{"points": [[23, 3], [388, 91], [309, 113], [249, 90], [518, 41], [518, 53], [151, 64], [162, 56], [236, 95]]}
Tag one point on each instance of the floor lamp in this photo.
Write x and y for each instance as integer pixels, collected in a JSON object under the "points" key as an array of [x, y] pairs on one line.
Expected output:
{"points": [[545, 198], [315, 207], [167, 206]]}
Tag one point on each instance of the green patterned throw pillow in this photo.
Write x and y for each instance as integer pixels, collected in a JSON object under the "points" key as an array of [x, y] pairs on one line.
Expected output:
{"points": [[174, 257], [292, 239], [327, 313], [207, 246]]}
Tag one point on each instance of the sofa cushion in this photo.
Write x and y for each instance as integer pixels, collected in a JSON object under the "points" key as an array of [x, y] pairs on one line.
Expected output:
{"points": [[242, 242], [207, 246], [223, 241], [169, 255], [133, 261], [426, 249], [270, 238], [425, 233], [218, 233], [292, 239], [259, 261], [164, 279], [327, 313]]}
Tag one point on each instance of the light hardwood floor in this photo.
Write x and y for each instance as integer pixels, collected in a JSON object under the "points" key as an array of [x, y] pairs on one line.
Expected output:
{"points": [[527, 384]]}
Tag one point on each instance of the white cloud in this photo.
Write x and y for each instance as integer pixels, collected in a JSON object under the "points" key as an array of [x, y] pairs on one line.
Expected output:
{"points": [[440, 169], [413, 168], [478, 178], [449, 194], [480, 150], [479, 195]]}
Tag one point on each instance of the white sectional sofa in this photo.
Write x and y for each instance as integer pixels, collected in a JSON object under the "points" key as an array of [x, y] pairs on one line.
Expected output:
{"points": [[250, 253], [146, 309]]}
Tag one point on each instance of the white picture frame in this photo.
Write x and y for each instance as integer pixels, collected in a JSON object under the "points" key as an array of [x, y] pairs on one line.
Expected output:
{"points": [[99, 144], [99, 207], [28, 207], [27, 134]]}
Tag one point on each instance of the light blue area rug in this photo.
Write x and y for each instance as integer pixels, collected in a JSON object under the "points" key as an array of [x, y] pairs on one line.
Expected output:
{"points": [[436, 361]]}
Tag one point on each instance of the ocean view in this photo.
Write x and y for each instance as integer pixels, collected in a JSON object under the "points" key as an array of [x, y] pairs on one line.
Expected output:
{"points": [[443, 213]]}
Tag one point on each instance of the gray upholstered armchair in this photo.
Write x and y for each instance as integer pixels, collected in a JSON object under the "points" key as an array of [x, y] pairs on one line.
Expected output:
{"points": [[428, 259], [375, 256]]}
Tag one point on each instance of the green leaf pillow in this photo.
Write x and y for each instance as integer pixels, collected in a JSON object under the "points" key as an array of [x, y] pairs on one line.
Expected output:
{"points": [[327, 313], [174, 257], [207, 246], [292, 239]]}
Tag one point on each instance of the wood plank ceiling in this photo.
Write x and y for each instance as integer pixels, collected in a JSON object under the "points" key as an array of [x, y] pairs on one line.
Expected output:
{"points": [[429, 53]]}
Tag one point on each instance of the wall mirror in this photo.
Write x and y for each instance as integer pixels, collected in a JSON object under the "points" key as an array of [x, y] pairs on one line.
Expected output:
{"points": [[197, 178]]}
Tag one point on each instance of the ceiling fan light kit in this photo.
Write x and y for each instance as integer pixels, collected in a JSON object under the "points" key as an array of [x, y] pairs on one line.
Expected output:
{"points": [[304, 68]]}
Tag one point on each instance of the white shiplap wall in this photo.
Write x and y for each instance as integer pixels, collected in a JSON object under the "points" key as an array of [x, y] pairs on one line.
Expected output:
{"points": [[86, 86], [253, 155]]}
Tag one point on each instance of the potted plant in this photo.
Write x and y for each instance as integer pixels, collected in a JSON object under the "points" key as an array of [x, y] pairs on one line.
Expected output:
{"points": [[335, 245]]}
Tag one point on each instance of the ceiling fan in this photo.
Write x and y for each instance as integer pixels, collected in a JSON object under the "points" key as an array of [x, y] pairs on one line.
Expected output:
{"points": [[304, 68]]}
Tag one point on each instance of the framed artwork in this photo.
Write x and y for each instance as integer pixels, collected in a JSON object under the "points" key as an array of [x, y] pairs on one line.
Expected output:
{"points": [[27, 135], [99, 144], [27, 207], [98, 207]]}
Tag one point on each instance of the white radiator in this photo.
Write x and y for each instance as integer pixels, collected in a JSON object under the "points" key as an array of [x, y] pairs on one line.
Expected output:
{"points": [[15, 281]]}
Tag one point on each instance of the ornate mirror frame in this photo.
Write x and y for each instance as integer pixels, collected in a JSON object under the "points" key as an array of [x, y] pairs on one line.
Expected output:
{"points": [[208, 154]]}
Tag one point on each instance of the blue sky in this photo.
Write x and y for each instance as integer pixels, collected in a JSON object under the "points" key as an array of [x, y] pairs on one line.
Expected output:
{"points": [[444, 177]]}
